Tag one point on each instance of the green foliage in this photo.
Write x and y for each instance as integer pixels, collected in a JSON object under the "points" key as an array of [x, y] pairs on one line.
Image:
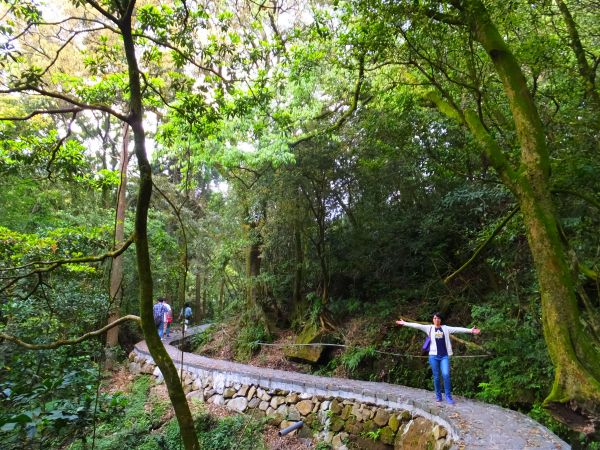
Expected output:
{"points": [[246, 342], [373, 435], [129, 428], [200, 339], [352, 358], [322, 445], [520, 369], [54, 409], [374, 209], [41, 155], [316, 307], [541, 415], [235, 432]]}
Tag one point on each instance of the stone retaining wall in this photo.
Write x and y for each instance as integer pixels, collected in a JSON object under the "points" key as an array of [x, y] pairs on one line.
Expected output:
{"points": [[333, 419]]}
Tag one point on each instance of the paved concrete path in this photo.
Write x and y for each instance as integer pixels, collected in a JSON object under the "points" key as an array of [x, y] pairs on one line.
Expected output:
{"points": [[472, 424]]}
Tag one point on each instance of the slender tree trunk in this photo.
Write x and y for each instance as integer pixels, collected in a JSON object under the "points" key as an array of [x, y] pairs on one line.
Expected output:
{"points": [[198, 303], [253, 269], [204, 297], [254, 290], [181, 287], [587, 73], [575, 394], [105, 146], [155, 346], [297, 310], [222, 294], [116, 272]]}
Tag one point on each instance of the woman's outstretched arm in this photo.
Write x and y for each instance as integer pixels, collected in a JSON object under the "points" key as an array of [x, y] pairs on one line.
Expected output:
{"points": [[418, 326]]}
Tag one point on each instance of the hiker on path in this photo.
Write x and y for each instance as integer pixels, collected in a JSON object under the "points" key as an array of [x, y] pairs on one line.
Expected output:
{"points": [[440, 350], [159, 311], [169, 319], [186, 314]]}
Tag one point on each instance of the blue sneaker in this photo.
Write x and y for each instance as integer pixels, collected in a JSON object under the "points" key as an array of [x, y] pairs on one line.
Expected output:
{"points": [[450, 400]]}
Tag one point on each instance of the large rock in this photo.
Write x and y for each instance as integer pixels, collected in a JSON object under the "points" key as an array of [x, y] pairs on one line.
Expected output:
{"points": [[292, 397], [418, 433], [229, 392], [251, 392], [217, 400], [306, 353], [394, 423], [387, 435], [276, 401], [439, 432], [293, 413], [364, 442], [242, 391], [262, 394], [381, 417], [339, 441], [305, 407], [336, 424], [253, 404], [238, 404], [195, 394]]}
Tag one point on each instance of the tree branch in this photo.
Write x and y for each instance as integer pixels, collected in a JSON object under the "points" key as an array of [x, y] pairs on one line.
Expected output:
{"points": [[59, 262], [38, 112], [67, 99], [102, 11], [63, 342], [588, 198], [344, 117], [182, 54], [490, 146], [59, 144], [482, 246]]}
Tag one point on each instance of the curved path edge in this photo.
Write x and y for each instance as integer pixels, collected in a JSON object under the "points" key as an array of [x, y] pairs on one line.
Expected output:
{"points": [[471, 424]]}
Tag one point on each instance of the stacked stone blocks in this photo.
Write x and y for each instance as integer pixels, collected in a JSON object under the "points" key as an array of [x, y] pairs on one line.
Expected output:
{"points": [[327, 413]]}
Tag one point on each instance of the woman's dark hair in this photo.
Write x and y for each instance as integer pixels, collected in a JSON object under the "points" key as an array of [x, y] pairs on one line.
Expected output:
{"points": [[438, 314]]}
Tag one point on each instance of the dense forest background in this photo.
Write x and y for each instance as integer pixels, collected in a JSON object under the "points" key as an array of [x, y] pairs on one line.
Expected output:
{"points": [[319, 168]]}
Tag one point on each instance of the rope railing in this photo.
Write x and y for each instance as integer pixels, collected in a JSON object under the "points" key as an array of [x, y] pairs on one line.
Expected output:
{"points": [[405, 355]]}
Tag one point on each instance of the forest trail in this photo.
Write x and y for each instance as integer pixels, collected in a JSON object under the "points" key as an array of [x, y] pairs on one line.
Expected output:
{"points": [[472, 424]]}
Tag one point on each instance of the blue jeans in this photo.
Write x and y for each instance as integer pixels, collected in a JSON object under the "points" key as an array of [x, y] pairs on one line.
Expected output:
{"points": [[160, 328], [441, 364]]}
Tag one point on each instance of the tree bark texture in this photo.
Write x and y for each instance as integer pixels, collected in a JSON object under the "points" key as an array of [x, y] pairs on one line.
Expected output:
{"points": [[155, 346], [575, 394], [297, 309]]}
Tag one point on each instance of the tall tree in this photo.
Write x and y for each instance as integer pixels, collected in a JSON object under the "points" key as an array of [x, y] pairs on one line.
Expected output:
{"points": [[116, 272], [442, 41], [118, 18]]}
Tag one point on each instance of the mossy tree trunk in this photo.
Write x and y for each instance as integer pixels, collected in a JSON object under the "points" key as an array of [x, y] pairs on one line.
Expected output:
{"points": [[575, 394], [255, 292], [155, 346], [298, 306], [253, 256]]}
